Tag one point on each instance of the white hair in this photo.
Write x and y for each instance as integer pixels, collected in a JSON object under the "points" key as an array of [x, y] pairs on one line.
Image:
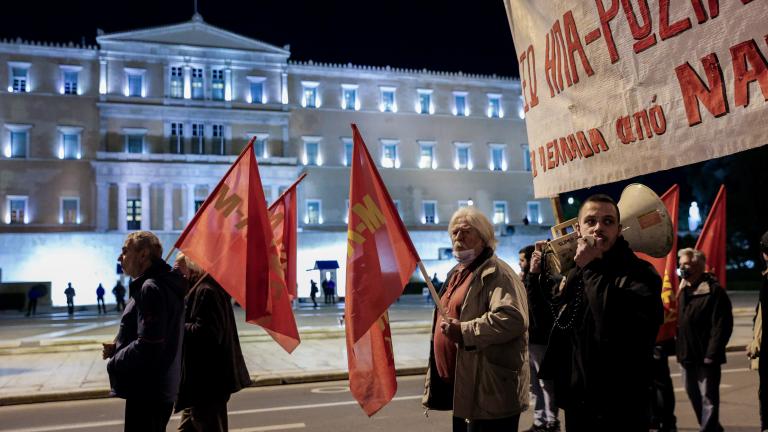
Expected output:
{"points": [[477, 220]]}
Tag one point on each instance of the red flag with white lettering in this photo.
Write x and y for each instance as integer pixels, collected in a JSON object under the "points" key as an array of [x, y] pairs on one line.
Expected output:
{"points": [[712, 239], [666, 267], [230, 237], [282, 215], [380, 260]]}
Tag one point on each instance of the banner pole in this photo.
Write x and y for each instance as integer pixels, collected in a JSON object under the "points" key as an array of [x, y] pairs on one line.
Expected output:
{"points": [[433, 291], [170, 252], [557, 210]]}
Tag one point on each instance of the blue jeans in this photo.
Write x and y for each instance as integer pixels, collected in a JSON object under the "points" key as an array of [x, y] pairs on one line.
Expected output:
{"points": [[702, 383], [542, 391]]}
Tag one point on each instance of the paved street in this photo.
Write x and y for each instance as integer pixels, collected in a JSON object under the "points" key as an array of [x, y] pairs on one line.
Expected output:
{"points": [[329, 407]]}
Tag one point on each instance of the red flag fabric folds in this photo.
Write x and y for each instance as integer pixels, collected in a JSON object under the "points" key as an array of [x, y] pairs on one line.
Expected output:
{"points": [[380, 260], [282, 216], [712, 239], [231, 238], [667, 267]]}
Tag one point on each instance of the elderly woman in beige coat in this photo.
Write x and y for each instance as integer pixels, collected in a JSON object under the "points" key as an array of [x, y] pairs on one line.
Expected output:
{"points": [[478, 363]]}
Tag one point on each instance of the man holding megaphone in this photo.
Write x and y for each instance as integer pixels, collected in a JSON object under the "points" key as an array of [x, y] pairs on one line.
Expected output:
{"points": [[608, 311]]}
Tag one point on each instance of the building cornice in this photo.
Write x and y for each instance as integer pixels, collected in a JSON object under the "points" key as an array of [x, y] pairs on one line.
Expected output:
{"points": [[211, 114], [48, 49]]}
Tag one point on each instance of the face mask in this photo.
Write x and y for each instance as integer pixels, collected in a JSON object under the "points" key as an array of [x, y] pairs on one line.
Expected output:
{"points": [[684, 273], [464, 256]]}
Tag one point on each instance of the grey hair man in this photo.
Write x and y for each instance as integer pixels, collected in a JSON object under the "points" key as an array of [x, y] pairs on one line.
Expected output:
{"points": [[145, 361], [478, 363], [704, 325]]}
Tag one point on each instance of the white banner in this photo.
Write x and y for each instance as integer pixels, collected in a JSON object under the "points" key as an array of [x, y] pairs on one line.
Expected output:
{"points": [[613, 89]]}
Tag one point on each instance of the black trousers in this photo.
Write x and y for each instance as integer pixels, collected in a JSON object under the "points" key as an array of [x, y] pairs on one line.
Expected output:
{"points": [[205, 417], [663, 399], [143, 416], [506, 424], [762, 392]]}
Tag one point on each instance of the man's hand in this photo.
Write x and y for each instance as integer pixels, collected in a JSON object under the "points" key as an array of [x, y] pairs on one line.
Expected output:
{"points": [[708, 361], [107, 350], [586, 251], [452, 329], [536, 257]]}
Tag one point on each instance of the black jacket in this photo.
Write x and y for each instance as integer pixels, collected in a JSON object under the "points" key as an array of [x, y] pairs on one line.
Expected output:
{"points": [[601, 346], [763, 365], [213, 366], [540, 313], [147, 362], [704, 322]]}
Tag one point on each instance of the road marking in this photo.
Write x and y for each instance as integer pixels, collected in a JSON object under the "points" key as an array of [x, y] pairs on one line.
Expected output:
{"points": [[75, 426], [63, 333], [725, 371], [340, 389], [272, 427], [310, 406], [682, 389]]}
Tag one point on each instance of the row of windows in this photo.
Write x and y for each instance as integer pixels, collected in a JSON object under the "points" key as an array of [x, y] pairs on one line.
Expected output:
{"points": [[313, 214], [68, 146], [427, 157], [192, 85], [17, 210]]}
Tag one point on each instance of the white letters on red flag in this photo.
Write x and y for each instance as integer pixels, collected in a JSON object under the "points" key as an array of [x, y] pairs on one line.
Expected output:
{"points": [[712, 239], [613, 89], [380, 259], [230, 237]]}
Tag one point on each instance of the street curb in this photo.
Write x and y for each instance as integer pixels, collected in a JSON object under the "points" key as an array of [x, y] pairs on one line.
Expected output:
{"points": [[262, 380]]}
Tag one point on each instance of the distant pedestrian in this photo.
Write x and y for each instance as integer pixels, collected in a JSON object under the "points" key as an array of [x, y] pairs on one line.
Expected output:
{"points": [[332, 290], [756, 347], [212, 366], [70, 293], [119, 293], [326, 292], [313, 292], [34, 293], [100, 299], [705, 323]]}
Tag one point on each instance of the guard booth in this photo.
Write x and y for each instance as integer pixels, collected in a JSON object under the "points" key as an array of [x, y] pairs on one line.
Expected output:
{"points": [[327, 271]]}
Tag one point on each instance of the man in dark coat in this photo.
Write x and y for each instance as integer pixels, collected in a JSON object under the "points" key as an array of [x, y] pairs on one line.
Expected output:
{"points": [[704, 325], [212, 365], [760, 342], [70, 293], [119, 292], [601, 346], [145, 361]]}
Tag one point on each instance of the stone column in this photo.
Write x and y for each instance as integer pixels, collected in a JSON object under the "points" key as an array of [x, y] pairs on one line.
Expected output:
{"points": [[187, 82], [122, 203], [190, 202], [146, 209], [102, 206], [168, 207], [103, 76], [228, 85]]}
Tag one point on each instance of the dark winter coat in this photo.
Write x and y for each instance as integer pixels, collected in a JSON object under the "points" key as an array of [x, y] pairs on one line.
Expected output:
{"points": [[704, 322], [212, 366], [601, 346], [147, 361], [763, 365], [540, 316]]}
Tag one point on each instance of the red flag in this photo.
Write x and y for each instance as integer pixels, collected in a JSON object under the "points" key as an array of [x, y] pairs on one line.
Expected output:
{"points": [[712, 239], [666, 267], [282, 215], [380, 259], [247, 266]]}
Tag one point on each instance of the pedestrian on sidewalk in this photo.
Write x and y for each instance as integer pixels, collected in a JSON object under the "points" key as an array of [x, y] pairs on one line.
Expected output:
{"points": [[100, 299], [705, 323], [326, 293], [478, 360], [313, 292], [212, 366], [145, 361], [332, 290], [70, 293], [34, 293], [757, 347], [119, 292]]}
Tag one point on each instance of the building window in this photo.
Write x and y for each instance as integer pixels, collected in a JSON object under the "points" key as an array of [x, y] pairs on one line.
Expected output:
{"points": [[176, 144], [349, 100], [19, 78], [197, 144], [427, 155], [69, 142], [69, 79], [134, 140], [460, 105], [389, 154], [197, 83], [534, 213], [218, 142], [256, 92], [177, 82], [312, 151], [134, 86], [133, 215], [314, 212], [70, 211], [198, 204], [526, 157], [348, 151], [18, 141], [429, 210], [494, 106], [388, 102], [424, 103], [463, 157], [309, 95], [217, 84], [498, 160], [500, 212], [260, 146], [17, 209]]}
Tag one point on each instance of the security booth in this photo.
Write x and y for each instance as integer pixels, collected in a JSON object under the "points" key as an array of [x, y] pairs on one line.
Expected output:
{"points": [[327, 271]]}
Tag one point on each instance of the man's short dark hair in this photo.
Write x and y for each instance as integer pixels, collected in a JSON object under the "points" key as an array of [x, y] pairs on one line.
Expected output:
{"points": [[602, 198], [528, 251]]}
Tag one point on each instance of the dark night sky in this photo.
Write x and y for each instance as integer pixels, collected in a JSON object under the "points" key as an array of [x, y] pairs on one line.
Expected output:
{"points": [[445, 35]]}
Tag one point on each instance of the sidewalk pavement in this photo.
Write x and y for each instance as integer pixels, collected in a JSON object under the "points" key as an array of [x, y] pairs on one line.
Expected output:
{"points": [[71, 368]]}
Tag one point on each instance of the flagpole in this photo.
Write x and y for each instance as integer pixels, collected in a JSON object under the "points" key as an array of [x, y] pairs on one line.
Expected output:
{"points": [[167, 257], [288, 189], [433, 291]]}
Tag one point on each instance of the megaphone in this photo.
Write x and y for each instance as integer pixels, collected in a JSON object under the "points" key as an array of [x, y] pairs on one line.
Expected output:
{"points": [[646, 224]]}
